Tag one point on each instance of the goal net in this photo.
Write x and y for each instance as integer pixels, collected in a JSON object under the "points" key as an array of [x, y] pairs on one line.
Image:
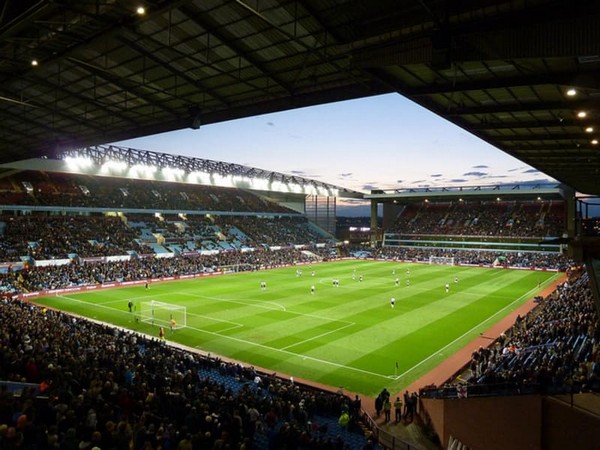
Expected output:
{"points": [[166, 315], [445, 260]]}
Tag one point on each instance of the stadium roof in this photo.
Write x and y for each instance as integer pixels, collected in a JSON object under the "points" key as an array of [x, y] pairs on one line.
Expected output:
{"points": [[515, 73], [124, 162], [504, 192]]}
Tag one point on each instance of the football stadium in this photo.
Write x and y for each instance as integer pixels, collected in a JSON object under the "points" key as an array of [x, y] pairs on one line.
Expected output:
{"points": [[156, 301]]}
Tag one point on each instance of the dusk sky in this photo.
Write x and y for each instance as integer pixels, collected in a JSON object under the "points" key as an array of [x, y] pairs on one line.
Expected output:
{"points": [[380, 142]]}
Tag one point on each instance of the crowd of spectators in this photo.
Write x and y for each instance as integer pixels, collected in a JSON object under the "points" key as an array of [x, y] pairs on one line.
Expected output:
{"points": [[89, 273], [541, 260], [481, 218], [554, 346], [97, 387], [87, 191], [273, 231], [553, 349], [45, 237]]}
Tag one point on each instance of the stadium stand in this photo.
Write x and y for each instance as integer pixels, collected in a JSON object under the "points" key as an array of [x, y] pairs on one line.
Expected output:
{"points": [[48, 189], [71, 383], [115, 406], [554, 349], [482, 218]]}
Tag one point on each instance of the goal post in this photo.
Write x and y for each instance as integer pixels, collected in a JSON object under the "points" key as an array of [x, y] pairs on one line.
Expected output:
{"points": [[166, 315], [442, 260]]}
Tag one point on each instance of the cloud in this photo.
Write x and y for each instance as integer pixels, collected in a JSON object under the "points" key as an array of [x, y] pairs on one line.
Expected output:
{"points": [[418, 181], [474, 174], [345, 175], [436, 175], [497, 176], [481, 166], [538, 181], [354, 201], [458, 180], [368, 187], [304, 174], [515, 169], [531, 171]]}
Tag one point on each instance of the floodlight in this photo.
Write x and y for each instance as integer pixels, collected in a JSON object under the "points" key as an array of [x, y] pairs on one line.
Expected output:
{"points": [[172, 174], [113, 166], [143, 169], [78, 162]]}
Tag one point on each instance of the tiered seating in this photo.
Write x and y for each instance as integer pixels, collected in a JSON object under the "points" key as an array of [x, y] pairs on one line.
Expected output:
{"points": [[106, 388], [476, 257], [553, 349], [482, 219], [102, 192], [91, 273], [50, 237]]}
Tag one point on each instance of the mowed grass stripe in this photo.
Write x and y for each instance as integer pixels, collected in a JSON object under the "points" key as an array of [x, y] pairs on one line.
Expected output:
{"points": [[346, 335], [401, 335]]}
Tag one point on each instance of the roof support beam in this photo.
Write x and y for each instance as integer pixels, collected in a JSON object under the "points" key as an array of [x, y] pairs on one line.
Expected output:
{"points": [[501, 40], [125, 85], [540, 137], [517, 125], [206, 23], [83, 99], [166, 65], [522, 107], [586, 79]]}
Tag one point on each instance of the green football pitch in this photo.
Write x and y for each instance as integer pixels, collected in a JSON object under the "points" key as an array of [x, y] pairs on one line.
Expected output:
{"points": [[348, 336]]}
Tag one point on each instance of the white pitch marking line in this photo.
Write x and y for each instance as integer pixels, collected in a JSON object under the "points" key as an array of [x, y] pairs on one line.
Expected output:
{"points": [[354, 369], [528, 293], [103, 305], [257, 304], [327, 319], [319, 335]]}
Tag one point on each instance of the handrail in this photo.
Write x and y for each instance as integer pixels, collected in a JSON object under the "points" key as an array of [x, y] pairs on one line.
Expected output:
{"points": [[384, 438]]}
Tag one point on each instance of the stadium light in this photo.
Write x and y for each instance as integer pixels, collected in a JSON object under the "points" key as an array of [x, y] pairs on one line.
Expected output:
{"points": [[261, 184], [172, 174], [131, 163], [112, 166], [78, 162], [142, 169]]}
